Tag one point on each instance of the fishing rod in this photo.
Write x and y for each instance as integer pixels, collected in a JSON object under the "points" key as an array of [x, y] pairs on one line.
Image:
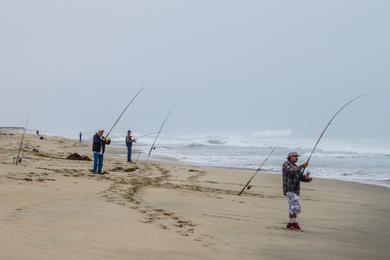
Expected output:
{"points": [[124, 110], [143, 136], [139, 153], [159, 132], [329, 123], [258, 169], [21, 142]]}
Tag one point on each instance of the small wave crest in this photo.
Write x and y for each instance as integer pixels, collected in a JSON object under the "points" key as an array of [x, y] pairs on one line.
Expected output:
{"points": [[215, 141], [195, 145]]}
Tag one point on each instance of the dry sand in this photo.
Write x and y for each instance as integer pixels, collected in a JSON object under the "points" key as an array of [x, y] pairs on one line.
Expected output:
{"points": [[53, 208]]}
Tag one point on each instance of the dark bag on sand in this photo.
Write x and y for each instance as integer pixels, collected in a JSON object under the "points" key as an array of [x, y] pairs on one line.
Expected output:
{"points": [[76, 156]]}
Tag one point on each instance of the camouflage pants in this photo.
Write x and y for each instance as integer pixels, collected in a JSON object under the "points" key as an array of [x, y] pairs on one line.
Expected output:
{"points": [[294, 206]]}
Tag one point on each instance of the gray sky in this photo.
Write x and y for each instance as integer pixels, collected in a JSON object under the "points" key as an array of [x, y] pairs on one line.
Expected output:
{"points": [[231, 66]]}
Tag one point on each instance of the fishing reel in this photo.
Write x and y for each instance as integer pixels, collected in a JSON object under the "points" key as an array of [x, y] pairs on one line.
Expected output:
{"points": [[307, 176], [107, 140], [17, 161]]}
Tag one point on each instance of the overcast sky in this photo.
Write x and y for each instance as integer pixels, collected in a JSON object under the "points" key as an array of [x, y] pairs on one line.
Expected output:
{"points": [[230, 66]]}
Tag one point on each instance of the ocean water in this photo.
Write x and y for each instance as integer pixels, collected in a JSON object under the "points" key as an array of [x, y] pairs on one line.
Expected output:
{"points": [[359, 159], [365, 160]]}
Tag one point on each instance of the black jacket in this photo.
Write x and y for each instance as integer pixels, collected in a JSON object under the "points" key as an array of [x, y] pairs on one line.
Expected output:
{"points": [[98, 144]]}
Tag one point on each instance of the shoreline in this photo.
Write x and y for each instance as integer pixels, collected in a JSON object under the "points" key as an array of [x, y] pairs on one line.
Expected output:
{"points": [[168, 159]]}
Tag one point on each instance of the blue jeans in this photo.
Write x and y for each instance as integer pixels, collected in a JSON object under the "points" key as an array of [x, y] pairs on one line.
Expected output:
{"points": [[97, 162], [129, 147]]}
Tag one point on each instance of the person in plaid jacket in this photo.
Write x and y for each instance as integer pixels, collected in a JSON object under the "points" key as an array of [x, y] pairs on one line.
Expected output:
{"points": [[292, 177]]}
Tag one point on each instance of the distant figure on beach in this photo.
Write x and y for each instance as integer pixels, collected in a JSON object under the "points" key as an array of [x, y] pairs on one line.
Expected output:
{"points": [[98, 148], [292, 176], [129, 144], [81, 136], [37, 132]]}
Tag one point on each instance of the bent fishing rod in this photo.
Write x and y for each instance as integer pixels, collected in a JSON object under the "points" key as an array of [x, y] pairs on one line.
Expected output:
{"points": [[124, 110], [258, 169], [21, 142], [329, 123], [159, 132]]}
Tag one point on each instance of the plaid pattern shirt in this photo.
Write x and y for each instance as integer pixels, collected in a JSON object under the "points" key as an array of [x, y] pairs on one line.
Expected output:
{"points": [[292, 176]]}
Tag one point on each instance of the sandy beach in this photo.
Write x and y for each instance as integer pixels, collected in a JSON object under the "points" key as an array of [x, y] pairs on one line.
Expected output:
{"points": [[54, 208]]}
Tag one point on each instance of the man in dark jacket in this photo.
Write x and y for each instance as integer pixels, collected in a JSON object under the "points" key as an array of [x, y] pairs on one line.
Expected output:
{"points": [[292, 176], [129, 144], [98, 148]]}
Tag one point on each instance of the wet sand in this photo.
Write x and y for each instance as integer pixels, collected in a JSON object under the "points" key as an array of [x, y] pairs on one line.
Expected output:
{"points": [[51, 207]]}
